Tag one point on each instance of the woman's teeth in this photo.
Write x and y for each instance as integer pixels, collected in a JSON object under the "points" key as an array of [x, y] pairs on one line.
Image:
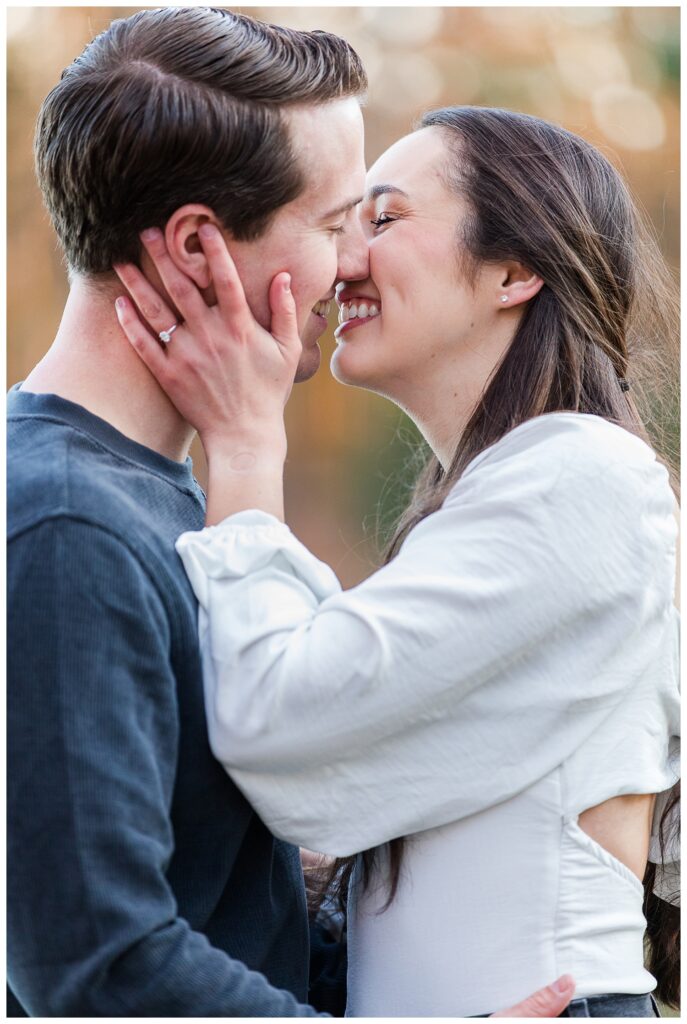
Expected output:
{"points": [[322, 308], [349, 311]]}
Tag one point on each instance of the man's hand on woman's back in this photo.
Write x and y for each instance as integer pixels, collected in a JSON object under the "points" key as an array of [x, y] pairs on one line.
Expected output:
{"points": [[546, 1002]]}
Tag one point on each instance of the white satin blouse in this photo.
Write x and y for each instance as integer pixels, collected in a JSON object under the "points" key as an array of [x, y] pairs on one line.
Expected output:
{"points": [[515, 664]]}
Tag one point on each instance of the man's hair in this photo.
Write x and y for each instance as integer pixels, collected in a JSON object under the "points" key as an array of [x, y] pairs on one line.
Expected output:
{"points": [[180, 105]]}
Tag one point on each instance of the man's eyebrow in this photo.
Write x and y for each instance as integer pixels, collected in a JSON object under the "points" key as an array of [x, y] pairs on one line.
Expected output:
{"points": [[344, 208], [383, 190]]}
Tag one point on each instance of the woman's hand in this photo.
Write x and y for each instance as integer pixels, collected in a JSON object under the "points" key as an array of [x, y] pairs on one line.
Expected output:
{"points": [[227, 376]]}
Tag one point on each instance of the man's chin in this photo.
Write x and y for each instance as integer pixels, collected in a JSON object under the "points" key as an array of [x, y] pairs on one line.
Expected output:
{"points": [[309, 364]]}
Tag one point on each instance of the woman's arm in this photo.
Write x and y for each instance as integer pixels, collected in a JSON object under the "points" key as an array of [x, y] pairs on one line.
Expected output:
{"points": [[497, 641], [227, 376]]}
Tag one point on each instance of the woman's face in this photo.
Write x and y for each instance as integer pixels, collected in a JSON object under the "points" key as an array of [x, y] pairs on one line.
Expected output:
{"points": [[425, 320]]}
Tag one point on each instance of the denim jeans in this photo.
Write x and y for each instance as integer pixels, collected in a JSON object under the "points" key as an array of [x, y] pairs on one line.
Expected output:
{"points": [[613, 1006], [609, 1006]]}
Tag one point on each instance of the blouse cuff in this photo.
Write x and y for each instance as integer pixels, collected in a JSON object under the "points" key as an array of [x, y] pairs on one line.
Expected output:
{"points": [[247, 543]]}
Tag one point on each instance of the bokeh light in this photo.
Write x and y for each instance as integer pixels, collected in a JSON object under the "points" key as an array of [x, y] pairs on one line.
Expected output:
{"points": [[609, 73]]}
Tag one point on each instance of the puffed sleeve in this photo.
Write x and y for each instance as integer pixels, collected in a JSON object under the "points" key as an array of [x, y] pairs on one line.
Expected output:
{"points": [[471, 665]]}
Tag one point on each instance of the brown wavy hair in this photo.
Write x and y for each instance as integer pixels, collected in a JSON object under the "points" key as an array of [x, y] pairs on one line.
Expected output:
{"points": [[180, 105], [601, 337]]}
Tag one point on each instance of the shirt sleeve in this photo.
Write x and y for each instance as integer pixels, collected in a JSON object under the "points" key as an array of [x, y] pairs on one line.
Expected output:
{"points": [[93, 928], [470, 666]]}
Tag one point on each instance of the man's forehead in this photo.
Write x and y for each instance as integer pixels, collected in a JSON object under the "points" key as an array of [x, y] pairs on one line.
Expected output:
{"points": [[307, 121], [328, 141]]}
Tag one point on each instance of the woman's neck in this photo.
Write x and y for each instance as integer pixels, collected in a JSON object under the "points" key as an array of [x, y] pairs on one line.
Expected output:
{"points": [[441, 410], [441, 396]]}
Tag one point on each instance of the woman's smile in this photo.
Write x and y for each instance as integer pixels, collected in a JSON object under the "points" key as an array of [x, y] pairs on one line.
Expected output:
{"points": [[355, 309]]}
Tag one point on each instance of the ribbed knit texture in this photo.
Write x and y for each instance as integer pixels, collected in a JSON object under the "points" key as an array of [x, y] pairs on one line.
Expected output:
{"points": [[140, 882]]}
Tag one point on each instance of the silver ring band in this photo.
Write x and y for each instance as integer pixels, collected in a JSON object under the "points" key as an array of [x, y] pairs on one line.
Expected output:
{"points": [[166, 336]]}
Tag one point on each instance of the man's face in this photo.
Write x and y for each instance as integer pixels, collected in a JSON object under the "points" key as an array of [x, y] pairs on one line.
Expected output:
{"points": [[317, 238]]}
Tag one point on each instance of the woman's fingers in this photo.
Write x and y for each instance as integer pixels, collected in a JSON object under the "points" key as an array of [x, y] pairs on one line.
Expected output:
{"points": [[229, 292], [148, 347], [150, 305], [284, 327], [180, 288]]}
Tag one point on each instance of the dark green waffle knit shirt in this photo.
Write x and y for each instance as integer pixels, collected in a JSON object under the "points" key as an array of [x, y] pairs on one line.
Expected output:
{"points": [[140, 882]]}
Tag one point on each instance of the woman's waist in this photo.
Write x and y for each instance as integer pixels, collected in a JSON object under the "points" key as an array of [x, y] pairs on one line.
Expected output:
{"points": [[515, 909]]}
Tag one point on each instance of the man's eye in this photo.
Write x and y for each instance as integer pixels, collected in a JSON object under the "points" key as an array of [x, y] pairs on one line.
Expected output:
{"points": [[338, 230], [382, 219]]}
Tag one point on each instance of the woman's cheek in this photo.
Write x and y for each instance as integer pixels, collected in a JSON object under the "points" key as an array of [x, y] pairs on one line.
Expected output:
{"points": [[383, 269]]}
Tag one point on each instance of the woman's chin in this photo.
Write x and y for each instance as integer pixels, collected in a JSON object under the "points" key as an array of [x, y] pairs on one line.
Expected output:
{"points": [[348, 367]]}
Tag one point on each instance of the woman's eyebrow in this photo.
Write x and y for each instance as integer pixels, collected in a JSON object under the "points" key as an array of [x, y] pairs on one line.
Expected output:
{"points": [[382, 190]]}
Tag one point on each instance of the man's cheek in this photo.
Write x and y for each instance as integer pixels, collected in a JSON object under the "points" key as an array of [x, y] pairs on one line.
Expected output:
{"points": [[303, 305], [259, 304]]}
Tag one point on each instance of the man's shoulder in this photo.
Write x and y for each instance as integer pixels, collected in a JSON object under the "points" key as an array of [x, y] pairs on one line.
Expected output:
{"points": [[57, 471], [71, 496], [53, 473]]}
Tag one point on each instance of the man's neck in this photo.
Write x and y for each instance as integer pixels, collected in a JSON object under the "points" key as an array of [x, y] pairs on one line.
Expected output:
{"points": [[92, 364]]}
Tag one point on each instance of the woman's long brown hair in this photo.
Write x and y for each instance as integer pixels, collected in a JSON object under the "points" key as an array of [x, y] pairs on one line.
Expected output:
{"points": [[606, 315]]}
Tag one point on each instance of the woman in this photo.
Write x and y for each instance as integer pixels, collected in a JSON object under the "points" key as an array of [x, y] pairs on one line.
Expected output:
{"points": [[503, 692]]}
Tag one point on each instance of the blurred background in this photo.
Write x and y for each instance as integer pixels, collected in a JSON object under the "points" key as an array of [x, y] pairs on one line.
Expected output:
{"points": [[611, 74]]}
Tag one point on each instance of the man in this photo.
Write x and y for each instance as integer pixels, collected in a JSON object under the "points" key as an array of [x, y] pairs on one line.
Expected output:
{"points": [[140, 882]]}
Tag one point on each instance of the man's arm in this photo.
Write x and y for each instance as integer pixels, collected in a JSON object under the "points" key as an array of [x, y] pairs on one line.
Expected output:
{"points": [[93, 928]]}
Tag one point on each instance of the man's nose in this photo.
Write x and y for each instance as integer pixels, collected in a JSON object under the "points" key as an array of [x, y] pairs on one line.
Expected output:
{"points": [[354, 254]]}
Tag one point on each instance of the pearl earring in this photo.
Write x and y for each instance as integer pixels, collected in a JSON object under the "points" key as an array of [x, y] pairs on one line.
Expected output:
{"points": [[504, 298]]}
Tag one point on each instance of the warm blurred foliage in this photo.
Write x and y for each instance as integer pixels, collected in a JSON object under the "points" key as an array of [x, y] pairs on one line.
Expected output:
{"points": [[610, 74]]}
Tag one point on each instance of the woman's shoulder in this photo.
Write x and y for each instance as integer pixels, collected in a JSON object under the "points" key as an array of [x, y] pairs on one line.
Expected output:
{"points": [[566, 450], [576, 485], [580, 437], [564, 467]]}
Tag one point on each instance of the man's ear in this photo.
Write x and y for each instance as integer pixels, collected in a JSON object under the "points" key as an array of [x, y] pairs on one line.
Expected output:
{"points": [[183, 244]]}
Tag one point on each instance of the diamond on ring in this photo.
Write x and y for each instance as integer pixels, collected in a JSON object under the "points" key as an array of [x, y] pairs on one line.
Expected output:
{"points": [[166, 336]]}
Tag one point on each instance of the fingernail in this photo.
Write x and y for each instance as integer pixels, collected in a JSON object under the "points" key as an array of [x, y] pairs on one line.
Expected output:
{"points": [[287, 283], [120, 303], [150, 234], [563, 984], [206, 230]]}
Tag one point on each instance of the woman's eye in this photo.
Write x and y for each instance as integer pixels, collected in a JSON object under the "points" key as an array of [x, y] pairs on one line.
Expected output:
{"points": [[338, 230], [381, 220]]}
